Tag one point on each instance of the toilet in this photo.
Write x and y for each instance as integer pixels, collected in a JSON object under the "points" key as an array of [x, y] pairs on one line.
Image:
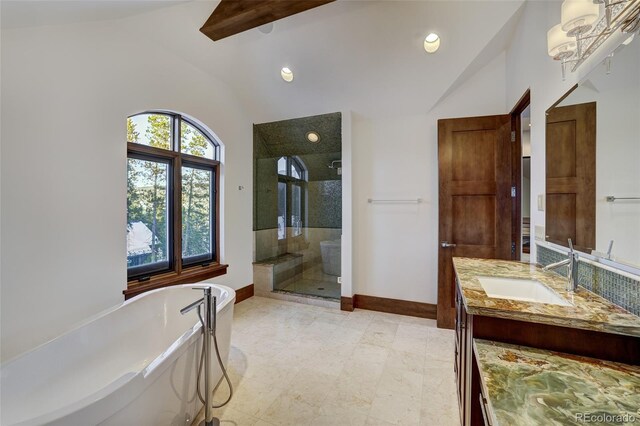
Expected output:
{"points": [[330, 252]]}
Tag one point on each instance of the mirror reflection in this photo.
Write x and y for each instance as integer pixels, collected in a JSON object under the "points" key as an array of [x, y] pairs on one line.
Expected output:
{"points": [[593, 160]]}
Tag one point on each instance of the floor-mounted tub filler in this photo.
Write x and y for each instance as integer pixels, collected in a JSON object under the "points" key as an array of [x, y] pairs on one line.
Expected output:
{"points": [[135, 364], [208, 319]]}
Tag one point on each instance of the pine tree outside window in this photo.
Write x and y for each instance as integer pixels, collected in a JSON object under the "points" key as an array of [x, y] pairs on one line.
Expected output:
{"points": [[172, 202]]}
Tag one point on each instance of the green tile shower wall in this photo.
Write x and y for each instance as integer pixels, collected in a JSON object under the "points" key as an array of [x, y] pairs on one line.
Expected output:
{"points": [[265, 178], [616, 288], [324, 207], [265, 194], [324, 204]]}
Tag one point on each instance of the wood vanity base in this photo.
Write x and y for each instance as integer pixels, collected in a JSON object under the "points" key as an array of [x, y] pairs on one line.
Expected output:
{"points": [[593, 344], [606, 346]]}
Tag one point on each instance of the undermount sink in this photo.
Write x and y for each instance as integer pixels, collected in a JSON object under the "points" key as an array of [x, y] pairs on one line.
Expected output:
{"points": [[520, 289]]}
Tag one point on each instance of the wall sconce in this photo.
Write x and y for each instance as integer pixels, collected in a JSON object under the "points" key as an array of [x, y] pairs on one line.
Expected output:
{"points": [[582, 30], [577, 19], [560, 46]]}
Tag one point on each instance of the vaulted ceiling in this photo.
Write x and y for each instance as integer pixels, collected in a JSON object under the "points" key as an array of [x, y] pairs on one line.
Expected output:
{"points": [[21, 13], [363, 56]]}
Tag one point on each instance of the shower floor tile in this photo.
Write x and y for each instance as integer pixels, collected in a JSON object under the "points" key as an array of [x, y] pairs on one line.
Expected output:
{"points": [[314, 288], [313, 282]]}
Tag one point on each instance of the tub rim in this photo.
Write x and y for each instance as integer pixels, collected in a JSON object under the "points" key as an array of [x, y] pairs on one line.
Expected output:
{"points": [[105, 312]]}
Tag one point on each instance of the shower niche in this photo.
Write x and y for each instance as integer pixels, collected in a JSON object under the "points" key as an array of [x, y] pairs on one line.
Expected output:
{"points": [[297, 206]]}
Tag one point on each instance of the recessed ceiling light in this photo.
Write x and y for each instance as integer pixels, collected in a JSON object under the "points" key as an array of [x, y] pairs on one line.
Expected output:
{"points": [[313, 137], [287, 74], [431, 43], [266, 28]]}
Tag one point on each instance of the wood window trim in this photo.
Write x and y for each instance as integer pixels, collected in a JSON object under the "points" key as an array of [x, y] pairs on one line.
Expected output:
{"points": [[188, 275], [179, 274]]}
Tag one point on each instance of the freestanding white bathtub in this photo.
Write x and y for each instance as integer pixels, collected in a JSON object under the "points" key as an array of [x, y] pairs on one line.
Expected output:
{"points": [[136, 364]]}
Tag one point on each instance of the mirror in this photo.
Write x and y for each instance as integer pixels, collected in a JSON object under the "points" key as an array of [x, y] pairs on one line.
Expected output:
{"points": [[593, 160]]}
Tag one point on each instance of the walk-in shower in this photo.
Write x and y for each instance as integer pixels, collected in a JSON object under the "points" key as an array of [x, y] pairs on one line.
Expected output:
{"points": [[297, 206]]}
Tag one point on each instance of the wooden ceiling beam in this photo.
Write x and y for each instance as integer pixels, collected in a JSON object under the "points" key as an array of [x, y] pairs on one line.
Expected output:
{"points": [[235, 16]]}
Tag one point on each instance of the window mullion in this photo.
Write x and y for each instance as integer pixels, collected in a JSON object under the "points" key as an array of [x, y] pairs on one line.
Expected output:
{"points": [[177, 215], [176, 134], [177, 196]]}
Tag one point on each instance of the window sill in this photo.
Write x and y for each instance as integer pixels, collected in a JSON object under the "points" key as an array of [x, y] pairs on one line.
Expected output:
{"points": [[191, 274]]}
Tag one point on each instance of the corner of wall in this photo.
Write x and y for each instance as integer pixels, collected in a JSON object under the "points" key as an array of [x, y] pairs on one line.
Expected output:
{"points": [[347, 289]]}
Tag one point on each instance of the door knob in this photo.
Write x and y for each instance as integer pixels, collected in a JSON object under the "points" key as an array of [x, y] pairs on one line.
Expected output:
{"points": [[447, 244]]}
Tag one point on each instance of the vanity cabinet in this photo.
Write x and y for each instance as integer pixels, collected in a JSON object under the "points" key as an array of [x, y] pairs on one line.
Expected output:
{"points": [[589, 343], [460, 364], [471, 412]]}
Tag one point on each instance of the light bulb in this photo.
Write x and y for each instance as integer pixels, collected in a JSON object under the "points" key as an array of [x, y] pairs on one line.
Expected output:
{"points": [[313, 137], [431, 43], [287, 74]]}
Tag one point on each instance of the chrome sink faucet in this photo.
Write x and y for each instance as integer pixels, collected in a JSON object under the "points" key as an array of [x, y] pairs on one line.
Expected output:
{"points": [[572, 268]]}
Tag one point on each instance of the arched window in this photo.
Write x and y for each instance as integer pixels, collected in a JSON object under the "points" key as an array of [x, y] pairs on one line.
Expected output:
{"points": [[172, 202], [292, 176]]}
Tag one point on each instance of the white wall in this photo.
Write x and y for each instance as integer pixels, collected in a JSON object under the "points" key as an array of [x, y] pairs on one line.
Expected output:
{"points": [[347, 259], [66, 92], [529, 66], [396, 246]]}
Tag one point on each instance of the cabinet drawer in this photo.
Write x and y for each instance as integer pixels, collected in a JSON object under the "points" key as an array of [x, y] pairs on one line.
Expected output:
{"points": [[486, 418]]}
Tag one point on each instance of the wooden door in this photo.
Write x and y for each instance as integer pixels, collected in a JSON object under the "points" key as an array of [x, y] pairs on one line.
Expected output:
{"points": [[571, 175], [474, 159]]}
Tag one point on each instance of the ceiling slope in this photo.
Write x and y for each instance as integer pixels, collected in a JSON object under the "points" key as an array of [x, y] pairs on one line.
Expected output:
{"points": [[24, 14], [498, 44], [363, 56]]}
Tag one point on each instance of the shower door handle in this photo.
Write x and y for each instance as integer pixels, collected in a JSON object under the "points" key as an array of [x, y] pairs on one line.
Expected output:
{"points": [[447, 244]]}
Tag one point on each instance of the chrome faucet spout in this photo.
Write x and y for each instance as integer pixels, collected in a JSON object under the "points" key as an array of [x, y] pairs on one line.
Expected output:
{"points": [[192, 306], [556, 265], [572, 268]]}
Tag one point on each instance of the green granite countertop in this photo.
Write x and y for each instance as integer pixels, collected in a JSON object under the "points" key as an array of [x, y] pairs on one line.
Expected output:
{"points": [[588, 311], [526, 386]]}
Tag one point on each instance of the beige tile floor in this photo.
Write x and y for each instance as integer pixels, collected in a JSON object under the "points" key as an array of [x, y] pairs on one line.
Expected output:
{"points": [[294, 364]]}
